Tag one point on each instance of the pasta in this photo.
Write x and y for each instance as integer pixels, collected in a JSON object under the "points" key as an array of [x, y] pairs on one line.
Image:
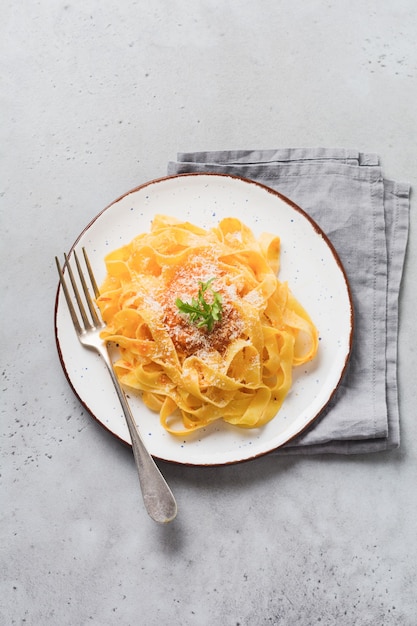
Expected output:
{"points": [[240, 371]]}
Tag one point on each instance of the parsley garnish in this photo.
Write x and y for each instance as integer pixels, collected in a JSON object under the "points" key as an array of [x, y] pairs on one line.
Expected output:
{"points": [[201, 312]]}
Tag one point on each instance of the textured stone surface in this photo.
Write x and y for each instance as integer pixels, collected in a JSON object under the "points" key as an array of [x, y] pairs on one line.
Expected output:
{"points": [[96, 98]]}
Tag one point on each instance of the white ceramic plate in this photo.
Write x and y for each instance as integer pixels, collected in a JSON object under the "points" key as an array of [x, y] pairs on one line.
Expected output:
{"points": [[309, 263]]}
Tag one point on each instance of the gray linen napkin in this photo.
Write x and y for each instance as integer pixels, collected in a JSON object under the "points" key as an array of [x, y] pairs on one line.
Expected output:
{"points": [[366, 218]]}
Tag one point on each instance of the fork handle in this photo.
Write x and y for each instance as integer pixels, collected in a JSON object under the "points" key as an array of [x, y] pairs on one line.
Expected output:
{"points": [[157, 496]]}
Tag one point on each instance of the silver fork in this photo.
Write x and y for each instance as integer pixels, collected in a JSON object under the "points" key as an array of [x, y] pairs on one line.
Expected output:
{"points": [[157, 496]]}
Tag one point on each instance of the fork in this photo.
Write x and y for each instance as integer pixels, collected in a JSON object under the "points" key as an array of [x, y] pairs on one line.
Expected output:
{"points": [[157, 496]]}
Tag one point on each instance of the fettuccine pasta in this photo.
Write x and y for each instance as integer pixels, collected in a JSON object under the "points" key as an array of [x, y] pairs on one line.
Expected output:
{"points": [[241, 370]]}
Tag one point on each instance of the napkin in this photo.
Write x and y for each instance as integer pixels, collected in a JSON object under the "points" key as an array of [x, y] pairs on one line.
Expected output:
{"points": [[366, 217]]}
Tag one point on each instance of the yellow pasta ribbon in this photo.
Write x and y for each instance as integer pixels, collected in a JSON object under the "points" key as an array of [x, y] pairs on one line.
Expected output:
{"points": [[241, 371]]}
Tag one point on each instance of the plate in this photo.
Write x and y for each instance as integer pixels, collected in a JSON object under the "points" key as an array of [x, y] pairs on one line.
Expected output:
{"points": [[308, 262]]}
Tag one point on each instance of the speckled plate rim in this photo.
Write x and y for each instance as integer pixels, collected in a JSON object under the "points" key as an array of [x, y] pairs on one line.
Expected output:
{"points": [[205, 198]]}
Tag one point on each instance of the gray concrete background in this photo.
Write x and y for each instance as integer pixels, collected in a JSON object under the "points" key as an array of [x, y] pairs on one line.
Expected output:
{"points": [[96, 98]]}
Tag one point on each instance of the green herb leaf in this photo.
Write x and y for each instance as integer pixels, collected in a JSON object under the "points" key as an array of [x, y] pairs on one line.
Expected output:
{"points": [[200, 311]]}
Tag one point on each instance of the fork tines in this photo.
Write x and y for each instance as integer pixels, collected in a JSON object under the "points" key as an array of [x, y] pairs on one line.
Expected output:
{"points": [[96, 321]]}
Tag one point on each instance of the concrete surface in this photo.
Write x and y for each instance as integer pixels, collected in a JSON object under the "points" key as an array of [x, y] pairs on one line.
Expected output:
{"points": [[96, 98]]}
